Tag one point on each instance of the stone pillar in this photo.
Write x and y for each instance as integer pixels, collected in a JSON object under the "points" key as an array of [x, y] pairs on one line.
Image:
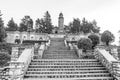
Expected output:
{"points": [[114, 52], [79, 52], [16, 71], [41, 50], [14, 55]]}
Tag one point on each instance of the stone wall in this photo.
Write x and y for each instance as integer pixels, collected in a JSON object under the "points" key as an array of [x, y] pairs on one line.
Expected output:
{"points": [[12, 35]]}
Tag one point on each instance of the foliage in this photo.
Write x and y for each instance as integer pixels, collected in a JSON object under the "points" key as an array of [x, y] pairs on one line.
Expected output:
{"points": [[76, 26], [6, 47], [107, 37], [2, 30], [4, 58], [40, 25], [26, 24], [95, 40], [12, 26], [85, 44], [44, 25], [83, 26], [22, 27], [95, 28]]}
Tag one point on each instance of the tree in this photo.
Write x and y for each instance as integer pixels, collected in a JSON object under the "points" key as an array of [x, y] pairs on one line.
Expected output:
{"points": [[95, 28], [88, 27], [107, 37], [26, 24], [84, 44], [44, 25], [95, 40], [2, 29], [40, 25], [22, 27], [12, 26], [48, 25], [76, 26]]}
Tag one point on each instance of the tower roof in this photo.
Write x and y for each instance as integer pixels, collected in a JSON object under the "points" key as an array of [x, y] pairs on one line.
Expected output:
{"points": [[61, 14]]}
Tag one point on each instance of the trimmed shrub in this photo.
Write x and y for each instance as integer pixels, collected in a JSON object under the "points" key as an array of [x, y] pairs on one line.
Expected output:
{"points": [[95, 40], [85, 44]]}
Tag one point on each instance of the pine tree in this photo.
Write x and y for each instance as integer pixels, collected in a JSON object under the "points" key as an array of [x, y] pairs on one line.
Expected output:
{"points": [[48, 25], [2, 29], [12, 26]]}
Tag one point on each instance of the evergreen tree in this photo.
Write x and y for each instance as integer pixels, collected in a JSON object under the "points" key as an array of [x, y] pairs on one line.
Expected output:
{"points": [[76, 26], [44, 25], [86, 27], [48, 25], [12, 26], [2, 29]]}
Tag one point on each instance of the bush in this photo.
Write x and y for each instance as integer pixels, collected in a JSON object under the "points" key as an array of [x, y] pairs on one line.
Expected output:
{"points": [[95, 40], [85, 44], [5, 47], [4, 58]]}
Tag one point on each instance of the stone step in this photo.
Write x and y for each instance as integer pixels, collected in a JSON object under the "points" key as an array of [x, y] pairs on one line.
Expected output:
{"points": [[60, 63], [81, 78], [66, 72], [68, 75], [59, 52], [84, 72], [46, 63], [67, 69], [58, 56], [65, 60], [51, 66]]}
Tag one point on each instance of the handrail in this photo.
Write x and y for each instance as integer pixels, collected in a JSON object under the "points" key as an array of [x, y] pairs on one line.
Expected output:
{"points": [[108, 61]]}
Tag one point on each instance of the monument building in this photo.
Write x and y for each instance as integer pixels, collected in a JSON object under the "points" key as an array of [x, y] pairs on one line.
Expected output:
{"points": [[61, 23]]}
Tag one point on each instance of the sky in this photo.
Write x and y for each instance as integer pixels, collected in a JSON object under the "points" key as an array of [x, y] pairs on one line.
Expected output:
{"points": [[105, 12]]}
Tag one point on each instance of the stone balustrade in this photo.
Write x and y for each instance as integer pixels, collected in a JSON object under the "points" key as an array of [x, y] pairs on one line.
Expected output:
{"points": [[18, 68], [109, 62]]}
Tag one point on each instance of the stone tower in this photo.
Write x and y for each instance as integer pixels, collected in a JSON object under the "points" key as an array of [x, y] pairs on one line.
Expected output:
{"points": [[61, 23]]}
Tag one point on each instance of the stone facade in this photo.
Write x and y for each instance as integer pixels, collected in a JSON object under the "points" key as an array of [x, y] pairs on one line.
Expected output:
{"points": [[12, 35]]}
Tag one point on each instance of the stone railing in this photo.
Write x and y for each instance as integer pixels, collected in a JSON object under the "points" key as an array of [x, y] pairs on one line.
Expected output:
{"points": [[109, 62], [18, 68], [70, 43]]}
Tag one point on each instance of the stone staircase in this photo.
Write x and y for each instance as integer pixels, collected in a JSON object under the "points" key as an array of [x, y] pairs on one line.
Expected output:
{"points": [[57, 50], [59, 63]]}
